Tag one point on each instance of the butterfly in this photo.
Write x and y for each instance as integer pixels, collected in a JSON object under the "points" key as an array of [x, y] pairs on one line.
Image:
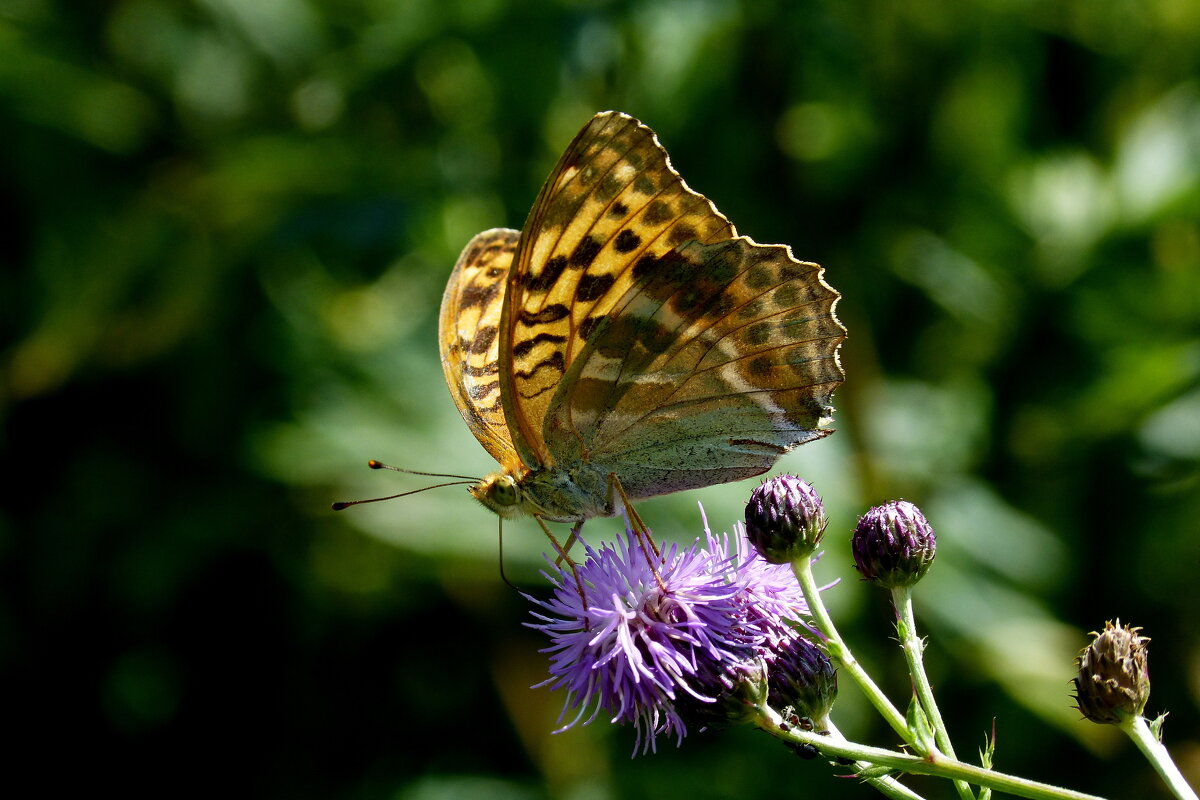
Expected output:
{"points": [[628, 343]]}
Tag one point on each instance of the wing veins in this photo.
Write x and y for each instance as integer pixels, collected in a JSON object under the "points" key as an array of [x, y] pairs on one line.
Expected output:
{"points": [[715, 342]]}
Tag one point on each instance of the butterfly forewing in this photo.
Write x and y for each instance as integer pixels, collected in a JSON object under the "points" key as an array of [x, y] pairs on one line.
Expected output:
{"points": [[469, 328], [612, 204]]}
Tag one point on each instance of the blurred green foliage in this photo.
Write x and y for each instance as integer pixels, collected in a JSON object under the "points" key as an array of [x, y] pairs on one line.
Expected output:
{"points": [[227, 228]]}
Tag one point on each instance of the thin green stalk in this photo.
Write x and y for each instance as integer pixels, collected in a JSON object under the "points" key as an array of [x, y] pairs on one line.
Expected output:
{"points": [[1156, 752], [886, 785], [934, 764], [839, 651], [914, 654]]}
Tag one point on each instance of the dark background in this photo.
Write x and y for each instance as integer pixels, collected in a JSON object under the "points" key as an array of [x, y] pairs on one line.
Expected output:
{"points": [[226, 229]]}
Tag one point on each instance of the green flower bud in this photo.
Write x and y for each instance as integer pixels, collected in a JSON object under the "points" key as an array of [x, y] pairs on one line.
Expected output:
{"points": [[1114, 676], [785, 519]]}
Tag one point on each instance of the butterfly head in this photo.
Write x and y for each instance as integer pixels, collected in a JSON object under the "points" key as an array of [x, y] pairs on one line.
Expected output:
{"points": [[502, 494]]}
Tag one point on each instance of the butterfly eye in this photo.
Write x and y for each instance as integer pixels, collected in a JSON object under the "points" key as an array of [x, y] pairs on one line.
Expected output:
{"points": [[503, 492]]}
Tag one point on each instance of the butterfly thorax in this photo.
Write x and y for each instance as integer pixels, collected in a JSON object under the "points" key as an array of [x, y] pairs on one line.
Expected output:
{"points": [[557, 495]]}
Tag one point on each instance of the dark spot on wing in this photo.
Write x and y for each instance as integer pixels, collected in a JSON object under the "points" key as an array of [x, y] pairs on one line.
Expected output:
{"points": [[479, 295], [790, 271], [622, 333], [759, 333], [627, 241], [482, 390], [646, 267], [609, 188], [750, 310], [483, 339], [722, 262], [760, 276], [551, 313], [589, 325], [760, 367], [680, 234], [787, 296], [554, 361], [523, 347], [592, 287], [657, 213], [586, 251], [670, 274], [549, 274]]}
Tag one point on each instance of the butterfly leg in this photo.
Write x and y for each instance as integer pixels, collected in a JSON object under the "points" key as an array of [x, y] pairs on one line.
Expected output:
{"points": [[574, 537], [562, 552], [637, 526]]}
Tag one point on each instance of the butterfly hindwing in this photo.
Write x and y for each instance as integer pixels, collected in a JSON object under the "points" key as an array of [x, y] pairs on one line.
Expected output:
{"points": [[720, 359]]}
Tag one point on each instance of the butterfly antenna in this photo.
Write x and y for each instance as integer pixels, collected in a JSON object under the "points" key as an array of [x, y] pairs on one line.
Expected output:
{"points": [[347, 503], [373, 464]]}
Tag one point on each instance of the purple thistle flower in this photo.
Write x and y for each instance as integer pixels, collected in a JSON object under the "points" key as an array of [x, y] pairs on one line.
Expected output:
{"points": [[652, 643]]}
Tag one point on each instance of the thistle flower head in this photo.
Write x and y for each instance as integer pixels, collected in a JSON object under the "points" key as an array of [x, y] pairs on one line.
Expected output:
{"points": [[893, 545], [656, 638], [785, 519], [1114, 675]]}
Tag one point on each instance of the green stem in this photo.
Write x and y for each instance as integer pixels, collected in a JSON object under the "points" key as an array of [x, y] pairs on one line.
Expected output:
{"points": [[914, 654], [1156, 752], [886, 785], [935, 764], [839, 651]]}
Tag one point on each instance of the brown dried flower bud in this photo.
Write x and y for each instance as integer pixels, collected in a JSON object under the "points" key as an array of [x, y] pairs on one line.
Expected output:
{"points": [[1114, 677]]}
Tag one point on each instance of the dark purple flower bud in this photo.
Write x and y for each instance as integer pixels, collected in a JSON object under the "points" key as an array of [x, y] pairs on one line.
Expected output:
{"points": [[785, 519], [893, 545], [726, 699], [1114, 676], [802, 680]]}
